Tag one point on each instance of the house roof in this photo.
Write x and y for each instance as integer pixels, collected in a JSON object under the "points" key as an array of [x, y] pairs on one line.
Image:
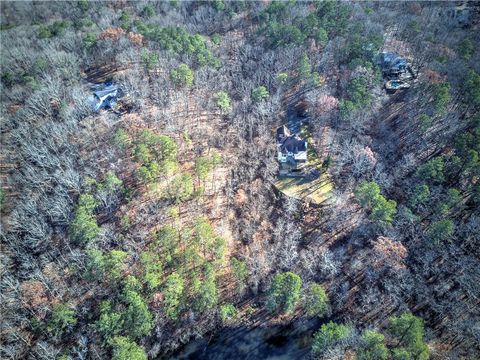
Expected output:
{"points": [[103, 96], [293, 145], [389, 60], [282, 133], [109, 90]]}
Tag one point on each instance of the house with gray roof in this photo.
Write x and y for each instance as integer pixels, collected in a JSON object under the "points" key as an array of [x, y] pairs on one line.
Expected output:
{"points": [[104, 96], [291, 150]]}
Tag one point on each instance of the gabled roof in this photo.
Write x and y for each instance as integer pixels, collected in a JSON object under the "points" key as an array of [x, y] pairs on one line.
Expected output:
{"points": [[282, 133], [104, 96], [107, 91], [293, 145]]}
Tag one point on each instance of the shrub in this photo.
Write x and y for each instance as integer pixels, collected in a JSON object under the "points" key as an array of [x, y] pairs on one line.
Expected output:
{"points": [[260, 93], [425, 122], [180, 188], [282, 78], [440, 231], [432, 171], [62, 317], [182, 76], [121, 139], [240, 271], [84, 227], [216, 39], [466, 48], [227, 311], [89, 40], [148, 11], [222, 100], [150, 59], [441, 96]]}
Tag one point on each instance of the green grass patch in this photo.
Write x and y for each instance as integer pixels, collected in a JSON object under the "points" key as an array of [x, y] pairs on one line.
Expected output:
{"points": [[317, 190]]}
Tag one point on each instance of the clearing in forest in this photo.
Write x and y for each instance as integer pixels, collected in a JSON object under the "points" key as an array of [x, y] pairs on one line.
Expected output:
{"points": [[316, 186], [317, 190]]}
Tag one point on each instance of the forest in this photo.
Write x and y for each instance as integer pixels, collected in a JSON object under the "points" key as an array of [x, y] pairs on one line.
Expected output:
{"points": [[148, 210]]}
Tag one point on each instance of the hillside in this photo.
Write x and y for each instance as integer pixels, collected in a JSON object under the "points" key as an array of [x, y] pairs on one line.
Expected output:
{"points": [[240, 180]]}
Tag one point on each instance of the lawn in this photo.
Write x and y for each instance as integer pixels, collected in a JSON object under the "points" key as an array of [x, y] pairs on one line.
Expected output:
{"points": [[317, 190]]}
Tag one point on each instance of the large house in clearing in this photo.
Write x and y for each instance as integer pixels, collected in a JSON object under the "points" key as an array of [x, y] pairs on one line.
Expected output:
{"points": [[291, 150]]}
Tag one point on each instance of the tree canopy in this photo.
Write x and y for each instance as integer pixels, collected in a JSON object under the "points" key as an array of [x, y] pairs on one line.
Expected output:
{"points": [[284, 292], [126, 349], [316, 300], [381, 209], [328, 336], [182, 75], [373, 346], [173, 291], [408, 329]]}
